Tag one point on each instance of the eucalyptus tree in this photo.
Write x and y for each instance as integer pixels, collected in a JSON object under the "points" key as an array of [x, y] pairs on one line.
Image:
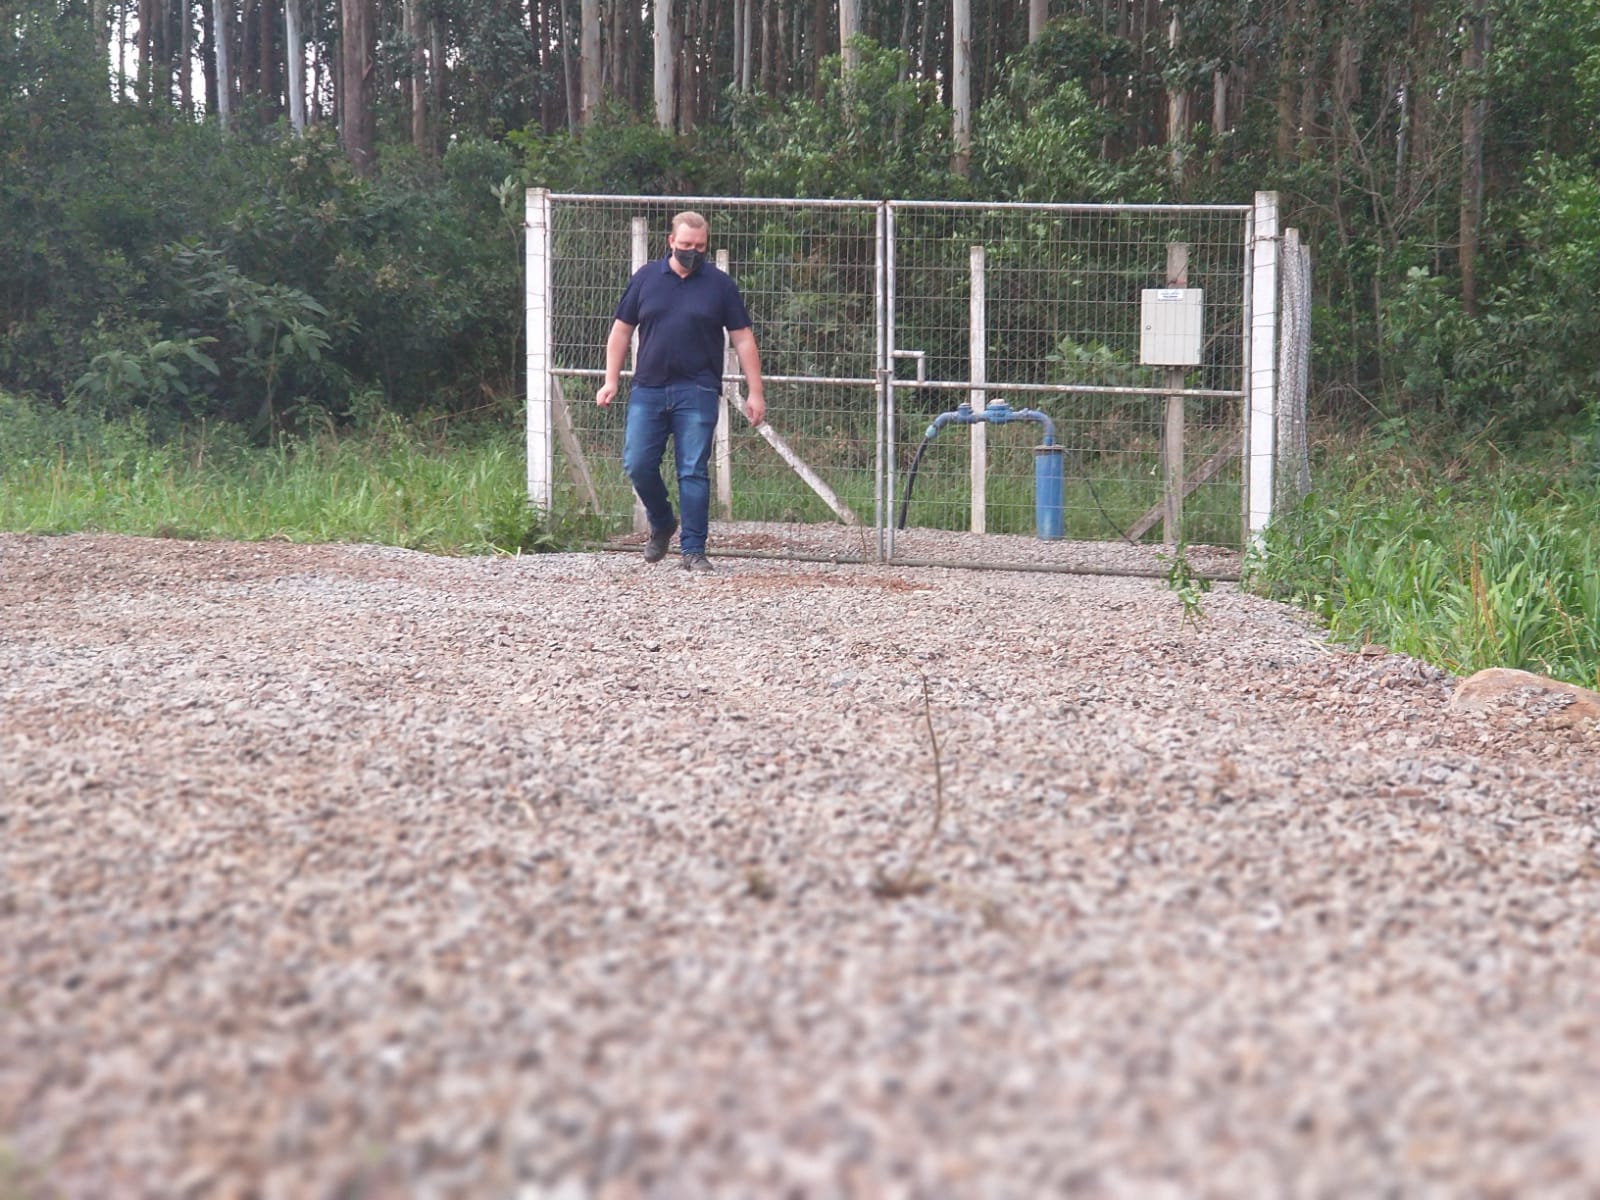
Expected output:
{"points": [[358, 125]]}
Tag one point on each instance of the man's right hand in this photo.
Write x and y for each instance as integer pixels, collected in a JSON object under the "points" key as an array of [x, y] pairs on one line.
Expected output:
{"points": [[606, 394]]}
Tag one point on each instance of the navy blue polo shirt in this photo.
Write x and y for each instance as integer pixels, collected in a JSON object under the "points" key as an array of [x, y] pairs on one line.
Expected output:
{"points": [[680, 323]]}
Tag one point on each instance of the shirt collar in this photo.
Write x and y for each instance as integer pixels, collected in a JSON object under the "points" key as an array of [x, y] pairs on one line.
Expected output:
{"points": [[666, 265]]}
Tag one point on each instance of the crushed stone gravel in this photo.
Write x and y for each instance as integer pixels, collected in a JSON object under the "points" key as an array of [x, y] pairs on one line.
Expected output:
{"points": [[351, 871]]}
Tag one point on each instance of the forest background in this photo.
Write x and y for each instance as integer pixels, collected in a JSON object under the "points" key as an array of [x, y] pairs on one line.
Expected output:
{"points": [[281, 224]]}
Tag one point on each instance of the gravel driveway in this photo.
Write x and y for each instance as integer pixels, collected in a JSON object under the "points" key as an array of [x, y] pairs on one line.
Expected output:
{"points": [[354, 872]]}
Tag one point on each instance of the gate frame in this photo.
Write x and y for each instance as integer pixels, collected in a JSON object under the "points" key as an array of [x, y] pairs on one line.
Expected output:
{"points": [[1259, 349]]}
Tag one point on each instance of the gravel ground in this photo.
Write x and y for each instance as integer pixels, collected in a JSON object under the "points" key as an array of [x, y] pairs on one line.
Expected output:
{"points": [[353, 872]]}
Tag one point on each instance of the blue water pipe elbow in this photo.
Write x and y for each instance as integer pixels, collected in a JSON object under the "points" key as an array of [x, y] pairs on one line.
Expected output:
{"points": [[997, 412]]}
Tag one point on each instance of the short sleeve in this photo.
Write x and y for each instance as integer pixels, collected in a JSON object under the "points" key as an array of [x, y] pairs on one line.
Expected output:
{"points": [[628, 307], [734, 314]]}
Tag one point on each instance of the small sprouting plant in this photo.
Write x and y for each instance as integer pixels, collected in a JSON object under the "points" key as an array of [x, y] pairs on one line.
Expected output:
{"points": [[1187, 584]]}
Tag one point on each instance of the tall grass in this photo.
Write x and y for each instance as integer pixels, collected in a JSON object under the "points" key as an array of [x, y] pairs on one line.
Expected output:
{"points": [[1459, 555], [428, 486], [1464, 557]]}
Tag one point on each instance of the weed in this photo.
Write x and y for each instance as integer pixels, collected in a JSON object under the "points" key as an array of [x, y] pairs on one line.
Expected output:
{"points": [[909, 881], [1186, 584]]}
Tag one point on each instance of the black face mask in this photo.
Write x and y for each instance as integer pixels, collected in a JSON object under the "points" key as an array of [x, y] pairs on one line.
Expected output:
{"points": [[689, 260]]}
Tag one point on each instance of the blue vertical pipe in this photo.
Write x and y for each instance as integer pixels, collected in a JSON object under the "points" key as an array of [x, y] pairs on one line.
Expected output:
{"points": [[1048, 471]]}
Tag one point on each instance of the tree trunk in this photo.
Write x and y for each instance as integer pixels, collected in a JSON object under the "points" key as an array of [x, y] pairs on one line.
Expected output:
{"points": [[768, 36], [436, 78], [665, 76], [185, 56], [924, 40], [849, 27], [295, 58], [222, 14], [266, 83], [1473, 116], [161, 53], [569, 77], [1346, 82], [1177, 111], [683, 55], [415, 34], [102, 31], [1287, 68], [588, 60], [357, 120], [905, 39], [1038, 14], [143, 50], [961, 84]]}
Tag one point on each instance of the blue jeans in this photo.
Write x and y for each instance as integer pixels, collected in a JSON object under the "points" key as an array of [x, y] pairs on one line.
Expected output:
{"points": [[687, 413]]}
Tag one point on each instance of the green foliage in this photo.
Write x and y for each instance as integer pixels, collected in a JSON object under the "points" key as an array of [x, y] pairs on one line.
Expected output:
{"points": [[149, 376], [427, 485], [872, 135], [1532, 352], [271, 336], [1039, 138], [1544, 69], [407, 285], [620, 154], [303, 284], [1480, 563], [1187, 584]]}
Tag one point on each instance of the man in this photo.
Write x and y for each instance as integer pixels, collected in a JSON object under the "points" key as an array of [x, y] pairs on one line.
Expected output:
{"points": [[680, 305]]}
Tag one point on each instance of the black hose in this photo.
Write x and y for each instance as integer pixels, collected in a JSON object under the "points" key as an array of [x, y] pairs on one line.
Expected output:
{"points": [[911, 477], [1083, 467]]}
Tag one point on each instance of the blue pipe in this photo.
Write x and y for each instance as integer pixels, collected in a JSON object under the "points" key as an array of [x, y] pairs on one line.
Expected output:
{"points": [[1047, 461], [997, 412]]}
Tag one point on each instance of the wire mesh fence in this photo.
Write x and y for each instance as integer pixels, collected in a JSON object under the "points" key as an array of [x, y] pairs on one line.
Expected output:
{"points": [[809, 275], [877, 319], [1057, 328]]}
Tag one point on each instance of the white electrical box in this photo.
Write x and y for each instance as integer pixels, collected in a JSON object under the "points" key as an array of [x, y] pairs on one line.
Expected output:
{"points": [[1170, 327]]}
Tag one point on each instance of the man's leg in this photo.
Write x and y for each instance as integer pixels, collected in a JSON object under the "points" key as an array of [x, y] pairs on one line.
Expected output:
{"points": [[694, 424], [644, 440]]}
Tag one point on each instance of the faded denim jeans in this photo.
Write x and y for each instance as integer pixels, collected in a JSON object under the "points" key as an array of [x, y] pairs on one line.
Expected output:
{"points": [[686, 412]]}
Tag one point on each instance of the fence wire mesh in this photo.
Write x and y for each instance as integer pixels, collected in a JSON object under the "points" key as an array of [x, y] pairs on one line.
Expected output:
{"points": [[1062, 290], [809, 276], [873, 318]]}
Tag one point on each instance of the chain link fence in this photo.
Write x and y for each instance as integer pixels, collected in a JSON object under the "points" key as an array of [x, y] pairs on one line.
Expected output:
{"points": [[878, 320]]}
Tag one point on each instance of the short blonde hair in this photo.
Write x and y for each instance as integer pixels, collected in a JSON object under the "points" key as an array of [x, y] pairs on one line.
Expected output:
{"points": [[692, 219]]}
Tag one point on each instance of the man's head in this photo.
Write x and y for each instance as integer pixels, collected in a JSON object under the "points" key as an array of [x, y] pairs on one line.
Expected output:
{"points": [[689, 231], [688, 241]]}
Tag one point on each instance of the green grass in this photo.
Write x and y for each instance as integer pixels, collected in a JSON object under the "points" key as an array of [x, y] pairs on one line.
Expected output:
{"points": [[1454, 552], [1460, 554], [427, 486]]}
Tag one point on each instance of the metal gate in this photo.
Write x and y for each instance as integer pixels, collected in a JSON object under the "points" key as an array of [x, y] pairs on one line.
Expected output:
{"points": [[949, 384]]}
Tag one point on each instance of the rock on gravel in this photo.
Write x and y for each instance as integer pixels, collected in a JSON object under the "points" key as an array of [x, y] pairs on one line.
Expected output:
{"points": [[349, 871]]}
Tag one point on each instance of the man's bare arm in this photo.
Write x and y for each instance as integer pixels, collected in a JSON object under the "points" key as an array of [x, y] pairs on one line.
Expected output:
{"points": [[744, 345], [617, 343]]}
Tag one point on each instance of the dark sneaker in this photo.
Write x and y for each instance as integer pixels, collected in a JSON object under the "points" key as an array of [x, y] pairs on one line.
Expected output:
{"points": [[656, 548], [696, 562]]}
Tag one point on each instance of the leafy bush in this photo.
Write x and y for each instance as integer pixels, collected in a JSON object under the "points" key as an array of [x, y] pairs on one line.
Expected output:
{"points": [[621, 155], [872, 135], [1039, 137], [1532, 353]]}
